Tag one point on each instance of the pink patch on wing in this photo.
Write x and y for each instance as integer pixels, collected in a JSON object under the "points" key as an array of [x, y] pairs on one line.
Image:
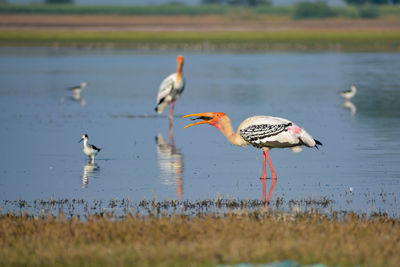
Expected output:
{"points": [[295, 129]]}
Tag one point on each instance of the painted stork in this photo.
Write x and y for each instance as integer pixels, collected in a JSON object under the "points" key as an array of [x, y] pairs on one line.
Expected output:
{"points": [[88, 149], [263, 132], [349, 93], [170, 89]]}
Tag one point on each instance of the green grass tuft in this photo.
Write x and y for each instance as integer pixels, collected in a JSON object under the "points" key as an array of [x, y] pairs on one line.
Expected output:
{"points": [[293, 40]]}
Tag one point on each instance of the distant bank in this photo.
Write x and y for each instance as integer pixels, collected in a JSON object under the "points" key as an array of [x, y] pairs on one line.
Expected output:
{"points": [[208, 41]]}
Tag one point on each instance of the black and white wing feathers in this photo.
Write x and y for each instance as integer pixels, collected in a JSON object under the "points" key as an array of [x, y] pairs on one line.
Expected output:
{"points": [[170, 90], [95, 148], [259, 135], [267, 132]]}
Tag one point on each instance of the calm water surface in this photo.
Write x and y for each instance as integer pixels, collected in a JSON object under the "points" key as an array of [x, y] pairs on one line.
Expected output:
{"points": [[41, 125]]}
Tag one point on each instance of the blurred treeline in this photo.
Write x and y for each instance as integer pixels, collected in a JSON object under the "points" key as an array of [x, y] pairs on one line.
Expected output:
{"points": [[246, 8], [237, 2]]}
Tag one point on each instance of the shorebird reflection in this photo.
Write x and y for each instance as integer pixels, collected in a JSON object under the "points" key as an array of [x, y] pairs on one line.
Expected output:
{"points": [[351, 106], [170, 162], [89, 171], [78, 98], [76, 93]]}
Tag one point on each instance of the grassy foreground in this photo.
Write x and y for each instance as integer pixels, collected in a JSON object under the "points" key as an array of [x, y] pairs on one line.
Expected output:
{"points": [[292, 40], [202, 240]]}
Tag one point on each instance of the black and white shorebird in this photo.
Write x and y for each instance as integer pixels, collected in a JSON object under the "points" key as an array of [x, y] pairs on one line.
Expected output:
{"points": [[76, 90], [88, 149], [171, 89], [349, 93]]}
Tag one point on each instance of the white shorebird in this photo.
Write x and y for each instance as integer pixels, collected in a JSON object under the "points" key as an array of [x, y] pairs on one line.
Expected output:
{"points": [[263, 132], [88, 149], [170, 89], [78, 88], [349, 93]]}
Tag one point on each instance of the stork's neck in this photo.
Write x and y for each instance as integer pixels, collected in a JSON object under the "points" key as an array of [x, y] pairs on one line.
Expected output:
{"points": [[179, 72], [85, 142], [225, 126]]}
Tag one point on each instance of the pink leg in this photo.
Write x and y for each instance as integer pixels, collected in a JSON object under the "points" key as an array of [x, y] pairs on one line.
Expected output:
{"points": [[271, 189], [274, 178], [171, 137], [264, 179], [270, 165], [264, 175], [171, 111], [264, 184], [173, 105], [171, 108]]}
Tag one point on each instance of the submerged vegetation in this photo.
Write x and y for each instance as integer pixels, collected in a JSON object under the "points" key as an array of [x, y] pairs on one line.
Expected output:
{"points": [[245, 232]]}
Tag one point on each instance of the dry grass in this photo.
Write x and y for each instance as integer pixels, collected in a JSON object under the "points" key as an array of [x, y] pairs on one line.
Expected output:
{"points": [[178, 240]]}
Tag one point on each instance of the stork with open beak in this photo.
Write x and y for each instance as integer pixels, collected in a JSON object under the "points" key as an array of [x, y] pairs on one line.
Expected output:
{"points": [[263, 132], [170, 90]]}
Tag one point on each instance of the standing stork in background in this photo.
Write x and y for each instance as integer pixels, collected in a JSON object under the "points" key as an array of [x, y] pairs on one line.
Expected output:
{"points": [[170, 90], [263, 132]]}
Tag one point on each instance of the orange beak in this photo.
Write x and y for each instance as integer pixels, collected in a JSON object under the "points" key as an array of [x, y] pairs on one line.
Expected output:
{"points": [[206, 117]]}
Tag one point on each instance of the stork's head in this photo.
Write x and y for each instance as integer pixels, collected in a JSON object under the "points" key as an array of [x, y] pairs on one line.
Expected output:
{"points": [[212, 118]]}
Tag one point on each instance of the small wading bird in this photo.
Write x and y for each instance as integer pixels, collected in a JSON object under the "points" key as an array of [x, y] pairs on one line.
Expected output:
{"points": [[349, 93], [170, 90], [88, 149], [76, 90], [263, 132]]}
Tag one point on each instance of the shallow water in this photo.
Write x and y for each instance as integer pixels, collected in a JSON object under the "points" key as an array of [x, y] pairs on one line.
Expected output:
{"points": [[41, 125]]}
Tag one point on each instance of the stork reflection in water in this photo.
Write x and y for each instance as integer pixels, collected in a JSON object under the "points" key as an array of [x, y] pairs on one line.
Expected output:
{"points": [[170, 162]]}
